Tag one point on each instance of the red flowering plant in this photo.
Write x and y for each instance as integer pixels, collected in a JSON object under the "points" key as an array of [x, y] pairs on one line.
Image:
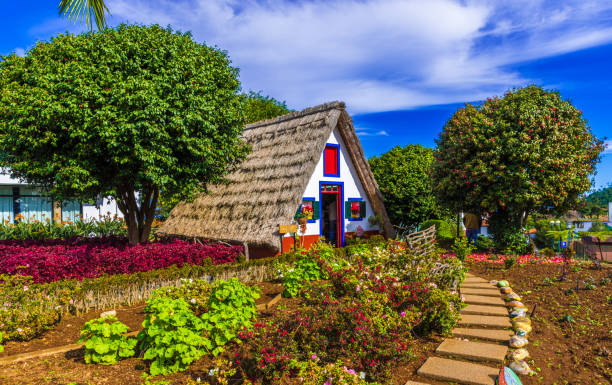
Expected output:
{"points": [[78, 258]]}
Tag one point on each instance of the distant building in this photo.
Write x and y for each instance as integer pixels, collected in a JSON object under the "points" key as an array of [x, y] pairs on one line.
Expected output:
{"points": [[18, 197]]}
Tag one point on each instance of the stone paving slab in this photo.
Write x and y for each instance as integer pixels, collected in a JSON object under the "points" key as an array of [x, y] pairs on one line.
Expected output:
{"points": [[478, 285], [483, 300], [475, 279], [481, 291], [484, 320], [476, 351], [484, 334], [484, 310], [415, 383], [458, 371]]}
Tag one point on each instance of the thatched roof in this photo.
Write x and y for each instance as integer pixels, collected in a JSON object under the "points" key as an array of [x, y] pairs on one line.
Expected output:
{"points": [[268, 186]]}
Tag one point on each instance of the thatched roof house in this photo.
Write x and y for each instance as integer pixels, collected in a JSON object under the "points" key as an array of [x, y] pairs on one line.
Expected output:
{"points": [[283, 169]]}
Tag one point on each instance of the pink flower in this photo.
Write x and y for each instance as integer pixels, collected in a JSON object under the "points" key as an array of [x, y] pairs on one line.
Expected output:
{"points": [[403, 314]]}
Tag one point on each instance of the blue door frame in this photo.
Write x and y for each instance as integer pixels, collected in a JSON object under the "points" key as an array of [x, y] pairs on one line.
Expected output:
{"points": [[340, 203]]}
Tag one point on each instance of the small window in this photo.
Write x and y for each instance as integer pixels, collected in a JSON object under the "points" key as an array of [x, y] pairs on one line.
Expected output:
{"points": [[355, 209], [331, 160], [311, 207]]}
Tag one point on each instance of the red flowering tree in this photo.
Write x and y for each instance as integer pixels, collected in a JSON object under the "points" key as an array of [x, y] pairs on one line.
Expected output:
{"points": [[529, 150]]}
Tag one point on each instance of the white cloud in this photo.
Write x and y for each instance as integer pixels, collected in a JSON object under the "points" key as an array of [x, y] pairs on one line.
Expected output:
{"points": [[378, 55], [20, 51], [369, 132]]}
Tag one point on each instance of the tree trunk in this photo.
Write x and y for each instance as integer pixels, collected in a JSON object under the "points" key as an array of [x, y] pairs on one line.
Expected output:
{"points": [[138, 219]]}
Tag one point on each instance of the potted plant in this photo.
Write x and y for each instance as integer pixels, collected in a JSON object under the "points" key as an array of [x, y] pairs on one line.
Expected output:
{"points": [[304, 215]]}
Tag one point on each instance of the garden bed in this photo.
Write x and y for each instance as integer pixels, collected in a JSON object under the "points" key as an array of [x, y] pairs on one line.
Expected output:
{"points": [[578, 351], [70, 367], [373, 307]]}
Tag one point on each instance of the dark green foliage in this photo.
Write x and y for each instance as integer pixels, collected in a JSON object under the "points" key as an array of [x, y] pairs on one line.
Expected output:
{"points": [[528, 150], [601, 197], [484, 243], [598, 227], [403, 174], [124, 110], [259, 107], [445, 232], [105, 342], [542, 227]]}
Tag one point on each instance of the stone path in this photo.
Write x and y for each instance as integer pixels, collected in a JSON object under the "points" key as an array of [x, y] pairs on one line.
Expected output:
{"points": [[481, 335]]}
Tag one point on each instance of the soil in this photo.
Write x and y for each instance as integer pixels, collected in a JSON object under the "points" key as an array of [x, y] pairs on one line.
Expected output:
{"points": [[578, 352], [562, 352], [70, 368]]}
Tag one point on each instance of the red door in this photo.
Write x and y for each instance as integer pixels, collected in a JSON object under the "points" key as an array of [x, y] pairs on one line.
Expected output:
{"points": [[332, 223]]}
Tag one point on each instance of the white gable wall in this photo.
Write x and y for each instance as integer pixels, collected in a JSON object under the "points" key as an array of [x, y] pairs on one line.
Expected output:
{"points": [[352, 188]]}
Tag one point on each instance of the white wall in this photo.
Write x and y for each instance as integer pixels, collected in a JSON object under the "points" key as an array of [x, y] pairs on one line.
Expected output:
{"points": [[108, 206], [352, 188]]}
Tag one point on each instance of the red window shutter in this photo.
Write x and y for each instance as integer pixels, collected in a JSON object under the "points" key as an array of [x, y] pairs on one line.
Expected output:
{"points": [[331, 160]]}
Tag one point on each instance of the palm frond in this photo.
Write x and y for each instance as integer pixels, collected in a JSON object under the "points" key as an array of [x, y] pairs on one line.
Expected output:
{"points": [[91, 10]]}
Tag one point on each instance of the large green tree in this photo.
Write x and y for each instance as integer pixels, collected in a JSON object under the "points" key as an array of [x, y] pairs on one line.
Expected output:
{"points": [[261, 107], [126, 113], [528, 150], [403, 174]]}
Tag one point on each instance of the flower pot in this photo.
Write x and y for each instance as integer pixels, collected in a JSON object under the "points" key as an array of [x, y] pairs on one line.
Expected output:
{"points": [[302, 221]]}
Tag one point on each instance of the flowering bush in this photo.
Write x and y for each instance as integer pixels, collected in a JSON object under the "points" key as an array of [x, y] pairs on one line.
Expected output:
{"points": [[26, 229], [78, 258], [520, 259], [378, 294], [27, 308], [333, 373]]}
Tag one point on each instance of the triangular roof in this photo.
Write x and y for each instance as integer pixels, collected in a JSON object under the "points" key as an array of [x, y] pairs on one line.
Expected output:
{"points": [[267, 187]]}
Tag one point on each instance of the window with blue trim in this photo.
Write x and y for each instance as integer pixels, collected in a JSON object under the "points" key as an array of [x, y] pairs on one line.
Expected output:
{"points": [[355, 209], [331, 160]]}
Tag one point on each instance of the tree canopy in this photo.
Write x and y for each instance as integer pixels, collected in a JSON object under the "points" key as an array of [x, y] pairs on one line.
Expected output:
{"points": [[259, 107], [601, 197], [403, 174], [125, 110], [510, 155]]}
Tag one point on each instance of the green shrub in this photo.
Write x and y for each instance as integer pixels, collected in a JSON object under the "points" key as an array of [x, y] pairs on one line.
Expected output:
{"points": [[37, 230], [104, 341], [31, 308], [195, 291], [445, 232], [231, 308], [509, 262], [484, 243], [315, 373], [306, 269], [172, 336], [462, 248]]}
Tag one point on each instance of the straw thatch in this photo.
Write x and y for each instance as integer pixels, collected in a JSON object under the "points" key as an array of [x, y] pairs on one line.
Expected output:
{"points": [[268, 186]]}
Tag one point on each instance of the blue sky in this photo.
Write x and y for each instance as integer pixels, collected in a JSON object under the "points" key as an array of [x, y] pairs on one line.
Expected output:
{"points": [[402, 66]]}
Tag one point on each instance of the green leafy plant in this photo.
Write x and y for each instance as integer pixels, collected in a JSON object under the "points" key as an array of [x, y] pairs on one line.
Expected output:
{"points": [[589, 284], [172, 336], [547, 281], [231, 308], [195, 292], [1, 347], [462, 248], [509, 262], [105, 342], [305, 270]]}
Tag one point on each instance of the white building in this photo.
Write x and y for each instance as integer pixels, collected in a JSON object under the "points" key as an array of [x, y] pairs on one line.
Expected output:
{"points": [[17, 197]]}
